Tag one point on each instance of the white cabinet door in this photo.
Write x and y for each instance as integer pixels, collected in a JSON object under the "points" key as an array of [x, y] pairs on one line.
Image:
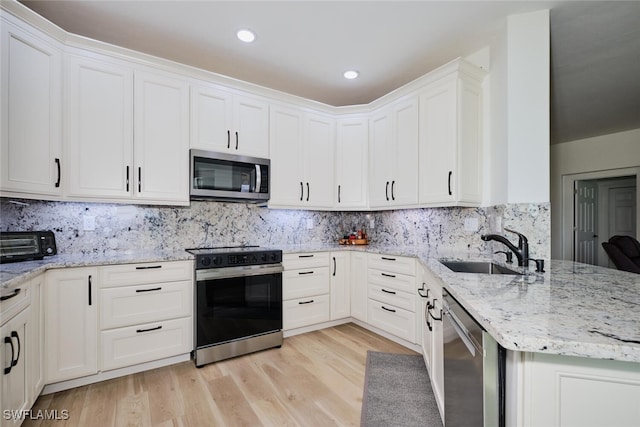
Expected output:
{"points": [[404, 179], [161, 134], [319, 136], [351, 159], [358, 275], [340, 289], [14, 390], [251, 126], [393, 168], [30, 93], [71, 323], [450, 149], [287, 188], [35, 371], [211, 121], [380, 160], [99, 131]]}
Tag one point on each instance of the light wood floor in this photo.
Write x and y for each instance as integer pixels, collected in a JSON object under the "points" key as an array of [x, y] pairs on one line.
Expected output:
{"points": [[315, 379]]}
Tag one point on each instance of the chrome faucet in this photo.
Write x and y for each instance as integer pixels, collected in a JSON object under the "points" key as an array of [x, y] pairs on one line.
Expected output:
{"points": [[521, 252]]}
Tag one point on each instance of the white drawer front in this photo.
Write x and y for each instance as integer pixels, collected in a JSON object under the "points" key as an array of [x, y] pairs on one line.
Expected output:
{"points": [[394, 264], [396, 321], [131, 305], [306, 282], [305, 260], [391, 296], [306, 311], [17, 298], [400, 282], [149, 272], [144, 343]]}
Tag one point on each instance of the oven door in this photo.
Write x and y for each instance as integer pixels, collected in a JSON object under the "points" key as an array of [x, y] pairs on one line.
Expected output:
{"points": [[237, 302]]}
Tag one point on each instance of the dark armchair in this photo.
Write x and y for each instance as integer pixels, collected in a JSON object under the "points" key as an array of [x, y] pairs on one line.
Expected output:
{"points": [[624, 252]]}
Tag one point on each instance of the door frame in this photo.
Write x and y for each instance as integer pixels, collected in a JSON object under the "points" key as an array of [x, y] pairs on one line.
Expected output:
{"points": [[568, 185]]}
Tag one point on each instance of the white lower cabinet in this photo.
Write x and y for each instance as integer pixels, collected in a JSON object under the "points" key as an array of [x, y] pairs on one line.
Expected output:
{"points": [[132, 345], [305, 289], [14, 388], [71, 323], [358, 275], [391, 304], [146, 312], [564, 391], [35, 376], [340, 289]]}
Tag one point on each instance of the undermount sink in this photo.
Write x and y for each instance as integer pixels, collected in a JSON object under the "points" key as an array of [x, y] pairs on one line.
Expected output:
{"points": [[478, 267]]}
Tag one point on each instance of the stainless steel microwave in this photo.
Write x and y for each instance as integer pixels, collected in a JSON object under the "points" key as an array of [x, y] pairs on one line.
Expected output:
{"points": [[228, 177]]}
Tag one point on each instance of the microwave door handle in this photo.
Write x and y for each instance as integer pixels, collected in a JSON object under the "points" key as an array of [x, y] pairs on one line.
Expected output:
{"points": [[258, 179]]}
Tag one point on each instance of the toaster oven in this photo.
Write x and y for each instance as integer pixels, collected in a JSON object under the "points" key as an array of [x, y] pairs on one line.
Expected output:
{"points": [[26, 245]]}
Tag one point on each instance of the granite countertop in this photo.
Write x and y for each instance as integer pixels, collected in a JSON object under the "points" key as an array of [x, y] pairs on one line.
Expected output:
{"points": [[573, 309]]}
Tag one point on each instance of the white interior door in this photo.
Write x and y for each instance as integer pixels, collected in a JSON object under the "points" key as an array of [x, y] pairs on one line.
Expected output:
{"points": [[586, 222]]}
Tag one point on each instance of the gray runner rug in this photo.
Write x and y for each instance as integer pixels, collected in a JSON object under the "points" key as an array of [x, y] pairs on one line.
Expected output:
{"points": [[397, 392]]}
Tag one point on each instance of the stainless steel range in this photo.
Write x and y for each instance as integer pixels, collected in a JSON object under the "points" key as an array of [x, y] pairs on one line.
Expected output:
{"points": [[238, 301]]}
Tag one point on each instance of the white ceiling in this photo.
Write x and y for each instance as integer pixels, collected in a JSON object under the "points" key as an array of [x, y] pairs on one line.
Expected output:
{"points": [[303, 47]]}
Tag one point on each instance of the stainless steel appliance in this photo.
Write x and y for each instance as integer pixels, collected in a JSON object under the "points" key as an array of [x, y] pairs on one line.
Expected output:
{"points": [[26, 245], [228, 177], [238, 301], [474, 367]]}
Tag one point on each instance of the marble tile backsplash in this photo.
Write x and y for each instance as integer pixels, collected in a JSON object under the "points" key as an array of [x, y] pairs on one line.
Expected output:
{"points": [[136, 228]]}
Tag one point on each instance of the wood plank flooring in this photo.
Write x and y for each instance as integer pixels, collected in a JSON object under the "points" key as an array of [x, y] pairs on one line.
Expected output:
{"points": [[315, 379]]}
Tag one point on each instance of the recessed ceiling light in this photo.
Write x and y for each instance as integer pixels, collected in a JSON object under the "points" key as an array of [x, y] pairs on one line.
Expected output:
{"points": [[246, 36], [350, 74]]}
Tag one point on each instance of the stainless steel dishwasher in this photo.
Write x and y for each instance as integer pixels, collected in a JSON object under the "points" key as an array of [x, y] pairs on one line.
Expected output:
{"points": [[474, 366]]}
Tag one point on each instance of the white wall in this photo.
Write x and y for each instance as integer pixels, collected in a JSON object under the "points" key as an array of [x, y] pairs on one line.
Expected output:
{"points": [[518, 147], [602, 153]]}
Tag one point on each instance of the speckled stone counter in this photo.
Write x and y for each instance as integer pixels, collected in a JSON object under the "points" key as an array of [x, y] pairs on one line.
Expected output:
{"points": [[572, 309]]}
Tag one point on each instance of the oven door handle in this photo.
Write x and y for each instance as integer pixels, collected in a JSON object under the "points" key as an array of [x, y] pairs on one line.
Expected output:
{"points": [[230, 272]]}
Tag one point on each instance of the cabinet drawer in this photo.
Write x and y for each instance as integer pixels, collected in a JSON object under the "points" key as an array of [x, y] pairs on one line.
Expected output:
{"points": [[305, 260], [306, 311], [17, 298], [306, 282], [148, 272], [393, 264], [131, 305], [391, 296], [392, 319], [146, 342], [399, 282]]}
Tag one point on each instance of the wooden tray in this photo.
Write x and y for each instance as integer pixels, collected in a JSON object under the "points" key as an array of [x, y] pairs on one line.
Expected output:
{"points": [[353, 241]]}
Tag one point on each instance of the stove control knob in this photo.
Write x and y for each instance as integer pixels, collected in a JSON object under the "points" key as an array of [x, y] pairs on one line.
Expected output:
{"points": [[274, 257], [217, 260], [264, 257], [205, 261]]}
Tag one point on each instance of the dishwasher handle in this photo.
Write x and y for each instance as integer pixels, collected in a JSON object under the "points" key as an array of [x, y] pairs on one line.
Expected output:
{"points": [[462, 333]]}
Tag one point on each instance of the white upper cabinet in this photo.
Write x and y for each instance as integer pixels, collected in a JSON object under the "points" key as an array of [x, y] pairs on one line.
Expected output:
{"points": [[393, 154], [225, 122], [161, 134], [30, 93], [352, 141], [451, 142], [99, 128], [301, 159]]}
